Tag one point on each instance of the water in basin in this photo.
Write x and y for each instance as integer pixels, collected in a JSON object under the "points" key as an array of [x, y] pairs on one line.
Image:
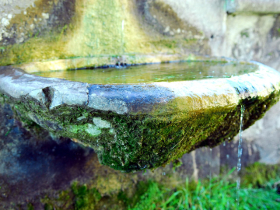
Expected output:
{"points": [[166, 72]]}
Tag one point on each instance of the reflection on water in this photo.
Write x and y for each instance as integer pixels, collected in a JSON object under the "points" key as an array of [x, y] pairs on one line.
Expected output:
{"points": [[166, 72]]}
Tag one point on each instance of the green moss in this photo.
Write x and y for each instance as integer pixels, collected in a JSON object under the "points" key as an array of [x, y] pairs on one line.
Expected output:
{"points": [[85, 198], [136, 142], [30, 207], [259, 174], [115, 30], [2, 100], [64, 200], [44, 41], [48, 207], [245, 34], [149, 142], [35, 49], [90, 129], [171, 44], [176, 164], [79, 197], [131, 200]]}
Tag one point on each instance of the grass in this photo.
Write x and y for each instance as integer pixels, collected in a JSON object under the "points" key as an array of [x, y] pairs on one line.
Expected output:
{"points": [[258, 191], [85, 198], [215, 194]]}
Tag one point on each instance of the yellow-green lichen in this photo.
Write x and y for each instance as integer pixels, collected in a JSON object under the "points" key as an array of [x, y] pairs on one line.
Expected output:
{"points": [[98, 28]]}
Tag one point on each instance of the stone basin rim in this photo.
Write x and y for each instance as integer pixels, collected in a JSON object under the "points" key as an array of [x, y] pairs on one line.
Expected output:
{"points": [[127, 98], [91, 113]]}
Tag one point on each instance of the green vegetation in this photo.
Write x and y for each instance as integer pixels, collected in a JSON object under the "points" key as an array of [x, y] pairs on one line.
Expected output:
{"points": [[258, 174], [30, 207], [244, 34], [85, 198], [258, 191], [168, 43], [80, 197], [215, 194]]}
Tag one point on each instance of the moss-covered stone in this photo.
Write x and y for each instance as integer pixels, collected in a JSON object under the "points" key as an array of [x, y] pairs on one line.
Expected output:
{"points": [[133, 142]]}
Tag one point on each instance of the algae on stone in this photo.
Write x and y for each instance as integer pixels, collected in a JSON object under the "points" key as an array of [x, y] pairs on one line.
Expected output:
{"points": [[144, 141], [91, 28], [136, 126]]}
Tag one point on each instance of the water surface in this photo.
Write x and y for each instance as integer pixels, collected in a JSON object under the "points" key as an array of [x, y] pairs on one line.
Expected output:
{"points": [[167, 72]]}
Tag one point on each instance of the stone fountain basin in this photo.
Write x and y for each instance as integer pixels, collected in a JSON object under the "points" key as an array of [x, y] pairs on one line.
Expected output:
{"points": [[141, 125]]}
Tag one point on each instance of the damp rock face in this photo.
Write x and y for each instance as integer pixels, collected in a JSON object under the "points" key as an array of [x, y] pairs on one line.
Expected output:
{"points": [[133, 126], [61, 29]]}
